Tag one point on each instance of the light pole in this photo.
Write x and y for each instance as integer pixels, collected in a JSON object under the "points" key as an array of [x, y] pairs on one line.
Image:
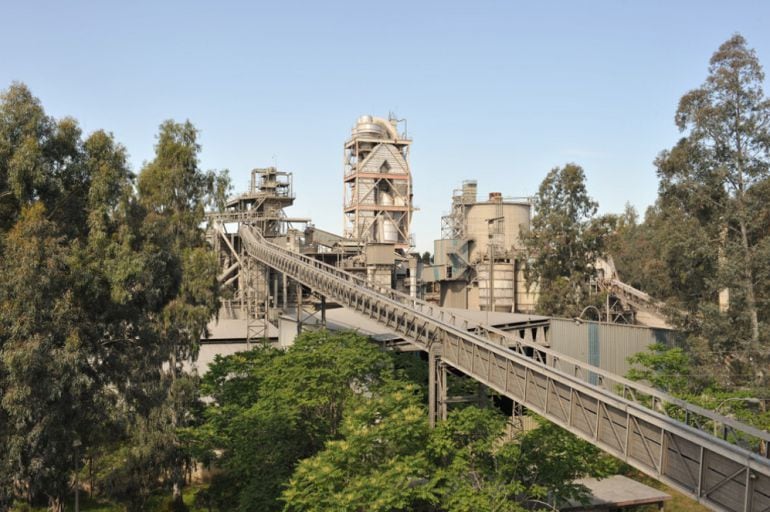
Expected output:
{"points": [[76, 444]]}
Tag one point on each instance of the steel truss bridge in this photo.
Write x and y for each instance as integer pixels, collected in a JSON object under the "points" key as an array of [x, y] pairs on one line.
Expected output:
{"points": [[662, 436]]}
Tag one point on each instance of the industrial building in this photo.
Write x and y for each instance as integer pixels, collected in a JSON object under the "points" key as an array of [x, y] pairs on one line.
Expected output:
{"points": [[479, 263], [478, 266], [282, 274]]}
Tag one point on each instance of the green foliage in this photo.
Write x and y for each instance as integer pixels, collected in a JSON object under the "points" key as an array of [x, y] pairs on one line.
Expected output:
{"points": [[675, 371], [564, 242], [479, 472], [101, 289], [327, 426], [712, 216], [272, 409], [388, 459], [379, 463], [668, 369]]}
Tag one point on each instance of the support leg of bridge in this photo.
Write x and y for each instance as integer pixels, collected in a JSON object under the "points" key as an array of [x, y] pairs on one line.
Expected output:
{"points": [[437, 386], [275, 290], [267, 299], [323, 311], [481, 395], [285, 292], [299, 308]]}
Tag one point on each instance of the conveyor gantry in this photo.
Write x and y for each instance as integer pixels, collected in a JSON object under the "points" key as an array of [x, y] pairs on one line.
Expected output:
{"points": [[656, 433]]}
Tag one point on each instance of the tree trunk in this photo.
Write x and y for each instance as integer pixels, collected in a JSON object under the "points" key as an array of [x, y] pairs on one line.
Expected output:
{"points": [[748, 275], [55, 504]]}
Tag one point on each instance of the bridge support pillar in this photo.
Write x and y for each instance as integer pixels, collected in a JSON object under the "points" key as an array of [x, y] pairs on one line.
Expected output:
{"points": [[437, 386], [285, 291], [299, 308], [275, 291]]}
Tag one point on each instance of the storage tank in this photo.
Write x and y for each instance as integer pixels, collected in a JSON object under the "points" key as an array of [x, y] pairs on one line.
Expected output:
{"points": [[389, 231], [507, 232], [503, 298]]}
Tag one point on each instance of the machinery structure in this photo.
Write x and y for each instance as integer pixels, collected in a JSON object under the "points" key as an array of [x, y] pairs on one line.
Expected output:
{"points": [[377, 183], [478, 263], [274, 266], [262, 207]]}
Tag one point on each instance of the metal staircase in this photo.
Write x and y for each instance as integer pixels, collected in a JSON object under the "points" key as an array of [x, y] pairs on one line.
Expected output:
{"points": [[656, 433]]}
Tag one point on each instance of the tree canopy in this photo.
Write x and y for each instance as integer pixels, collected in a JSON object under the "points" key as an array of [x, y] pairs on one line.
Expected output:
{"points": [[709, 228], [564, 242], [102, 286]]}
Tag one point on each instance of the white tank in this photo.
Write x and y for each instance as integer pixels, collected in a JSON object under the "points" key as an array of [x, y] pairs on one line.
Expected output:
{"points": [[389, 231], [515, 219], [367, 127], [385, 199]]}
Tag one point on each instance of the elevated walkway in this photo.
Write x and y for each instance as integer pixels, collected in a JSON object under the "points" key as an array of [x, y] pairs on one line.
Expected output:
{"points": [[658, 434]]}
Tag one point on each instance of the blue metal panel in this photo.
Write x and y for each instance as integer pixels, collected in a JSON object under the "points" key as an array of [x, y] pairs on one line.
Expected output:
{"points": [[594, 352]]}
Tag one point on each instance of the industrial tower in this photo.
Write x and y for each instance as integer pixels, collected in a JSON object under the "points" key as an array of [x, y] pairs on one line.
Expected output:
{"points": [[378, 183]]}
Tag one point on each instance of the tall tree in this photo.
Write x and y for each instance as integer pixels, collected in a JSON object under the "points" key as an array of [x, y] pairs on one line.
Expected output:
{"points": [[181, 295], [104, 292], [48, 388], [564, 242], [54, 387], [714, 186]]}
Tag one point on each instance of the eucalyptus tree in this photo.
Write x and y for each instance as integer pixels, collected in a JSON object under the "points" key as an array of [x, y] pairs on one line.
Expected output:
{"points": [[715, 191], [105, 288], [563, 242]]}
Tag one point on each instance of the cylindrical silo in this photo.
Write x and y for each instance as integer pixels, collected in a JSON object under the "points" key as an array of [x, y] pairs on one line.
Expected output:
{"points": [[506, 232], [503, 297]]}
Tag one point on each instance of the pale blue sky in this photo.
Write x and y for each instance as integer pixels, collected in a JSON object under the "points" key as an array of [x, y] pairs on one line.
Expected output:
{"points": [[498, 91]]}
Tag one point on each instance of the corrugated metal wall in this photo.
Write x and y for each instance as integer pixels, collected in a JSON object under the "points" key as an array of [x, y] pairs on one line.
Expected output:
{"points": [[604, 345]]}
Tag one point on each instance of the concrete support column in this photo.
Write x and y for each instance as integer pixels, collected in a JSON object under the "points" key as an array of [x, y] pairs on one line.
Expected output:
{"points": [[437, 386], [275, 289], [299, 308], [285, 292]]}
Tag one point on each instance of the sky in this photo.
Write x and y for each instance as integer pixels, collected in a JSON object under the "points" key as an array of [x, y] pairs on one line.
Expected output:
{"points": [[496, 91]]}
